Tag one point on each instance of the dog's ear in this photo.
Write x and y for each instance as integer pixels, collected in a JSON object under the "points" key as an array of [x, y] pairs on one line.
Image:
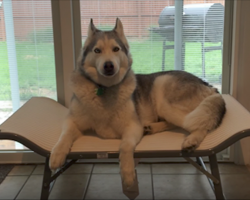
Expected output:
{"points": [[119, 28], [92, 29]]}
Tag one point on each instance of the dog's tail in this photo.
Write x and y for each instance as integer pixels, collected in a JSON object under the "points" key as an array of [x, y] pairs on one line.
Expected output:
{"points": [[207, 116], [203, 119]]}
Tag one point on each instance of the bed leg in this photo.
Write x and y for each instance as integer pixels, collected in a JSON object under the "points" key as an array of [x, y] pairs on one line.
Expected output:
{"points": [[215, 172], [202, 164], [46, 181], [198, 161]]}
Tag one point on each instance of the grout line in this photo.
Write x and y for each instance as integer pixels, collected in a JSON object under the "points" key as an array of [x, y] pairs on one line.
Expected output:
{"points": [[24, 174], [88, 182], [75, 173], [25, 183], [222, 173], [152, 182], [119, 172], [177, 174]]}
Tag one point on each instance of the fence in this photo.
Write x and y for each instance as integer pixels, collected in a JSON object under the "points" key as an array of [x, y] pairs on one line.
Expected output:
{"points": [[136, 15]]}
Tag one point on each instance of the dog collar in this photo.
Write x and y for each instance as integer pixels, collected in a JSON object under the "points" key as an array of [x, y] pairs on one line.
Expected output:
{"points": [[100, 90]]}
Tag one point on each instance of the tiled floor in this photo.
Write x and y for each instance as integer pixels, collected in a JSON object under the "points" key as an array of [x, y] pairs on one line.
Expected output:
{"points": [[102, 181]]}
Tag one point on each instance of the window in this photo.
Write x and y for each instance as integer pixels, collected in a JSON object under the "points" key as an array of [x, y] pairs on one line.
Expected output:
{"points": [[27, 66], [150, 28]]}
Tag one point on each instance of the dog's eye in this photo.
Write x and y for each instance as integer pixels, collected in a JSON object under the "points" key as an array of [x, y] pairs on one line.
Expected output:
{"points": [[96, 50], [116, 49]]}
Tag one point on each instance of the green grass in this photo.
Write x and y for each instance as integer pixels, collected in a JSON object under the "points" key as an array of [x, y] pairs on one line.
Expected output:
{"points": [[147, 57], [36, 66], [4, 73], [36, 69]]}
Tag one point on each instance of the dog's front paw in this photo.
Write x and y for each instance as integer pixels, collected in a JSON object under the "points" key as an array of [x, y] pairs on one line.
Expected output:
{"points": [[190, 143], [57, 159], [128, 178]]}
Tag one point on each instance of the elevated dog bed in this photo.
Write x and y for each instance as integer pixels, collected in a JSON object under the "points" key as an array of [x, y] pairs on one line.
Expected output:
{"points": [[37, 125]]}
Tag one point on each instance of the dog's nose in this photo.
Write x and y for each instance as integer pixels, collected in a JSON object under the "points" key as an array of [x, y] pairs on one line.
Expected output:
{"points": [[108, 68]]}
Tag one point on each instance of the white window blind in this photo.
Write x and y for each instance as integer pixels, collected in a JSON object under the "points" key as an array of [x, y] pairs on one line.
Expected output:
{"points": [[27, 66], [150, 28]]}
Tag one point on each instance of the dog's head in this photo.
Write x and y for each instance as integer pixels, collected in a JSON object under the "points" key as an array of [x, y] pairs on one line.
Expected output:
{"points": [[105, 57]]}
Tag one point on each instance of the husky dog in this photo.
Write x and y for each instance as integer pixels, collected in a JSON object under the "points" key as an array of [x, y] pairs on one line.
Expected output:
{"points": [[114, 102]]}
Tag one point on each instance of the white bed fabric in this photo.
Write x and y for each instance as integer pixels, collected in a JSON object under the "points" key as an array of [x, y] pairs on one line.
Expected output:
{"points": [[40, 120]]}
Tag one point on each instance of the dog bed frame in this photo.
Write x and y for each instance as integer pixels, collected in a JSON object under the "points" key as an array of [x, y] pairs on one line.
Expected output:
{"points": [[37, 125]]}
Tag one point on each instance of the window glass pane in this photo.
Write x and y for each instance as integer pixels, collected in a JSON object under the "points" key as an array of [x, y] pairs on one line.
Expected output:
{"points": [[149, 26], [27, 66]]}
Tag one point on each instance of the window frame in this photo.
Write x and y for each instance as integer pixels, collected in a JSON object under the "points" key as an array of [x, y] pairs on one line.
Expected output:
{"points": [[227, 46], [66, 19]]}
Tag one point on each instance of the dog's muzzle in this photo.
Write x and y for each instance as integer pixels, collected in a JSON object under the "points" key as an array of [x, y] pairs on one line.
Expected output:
{"points": [[109, 68]]}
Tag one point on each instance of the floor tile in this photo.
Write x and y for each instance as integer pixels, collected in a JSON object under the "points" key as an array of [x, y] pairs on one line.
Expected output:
{"points": [[177, 168], [39, 170], [11, 185], [32, 188], [108, 186], [236, 186], [106, 168], [22, 170], [115, 169], [74, 169], [79, 169], [143, 168], [169, 180], [230, 168], [182, 187], [70, 186]]}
